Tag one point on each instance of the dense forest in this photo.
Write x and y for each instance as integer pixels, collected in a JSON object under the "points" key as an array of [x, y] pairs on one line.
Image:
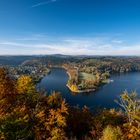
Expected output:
{"points": [[26, 114]]}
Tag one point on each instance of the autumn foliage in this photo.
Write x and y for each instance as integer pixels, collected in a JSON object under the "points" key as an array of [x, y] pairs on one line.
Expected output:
{"points": [[26, 114]]}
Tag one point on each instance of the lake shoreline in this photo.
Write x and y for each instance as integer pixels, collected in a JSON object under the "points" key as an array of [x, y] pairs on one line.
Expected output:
{"points": [[78, 91], [103, 96]]}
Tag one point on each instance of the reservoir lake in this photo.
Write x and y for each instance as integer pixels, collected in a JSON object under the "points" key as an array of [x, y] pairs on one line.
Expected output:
{"points": [[103, 97]]}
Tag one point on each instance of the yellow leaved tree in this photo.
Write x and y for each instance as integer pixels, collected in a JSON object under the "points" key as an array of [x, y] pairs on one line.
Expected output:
{"points": [[74, 88], [25, 84]]}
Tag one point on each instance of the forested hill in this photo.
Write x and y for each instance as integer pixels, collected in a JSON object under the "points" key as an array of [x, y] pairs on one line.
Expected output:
{"points": [[26, 114], [90, 63], [14, 60], [86, 63]]}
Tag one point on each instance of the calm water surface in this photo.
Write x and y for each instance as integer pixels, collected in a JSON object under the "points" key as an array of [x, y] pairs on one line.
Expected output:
{"points": [[104, 97]]}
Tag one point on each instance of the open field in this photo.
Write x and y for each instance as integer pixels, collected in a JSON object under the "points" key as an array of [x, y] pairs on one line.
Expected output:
{"points": [[86, 76]]}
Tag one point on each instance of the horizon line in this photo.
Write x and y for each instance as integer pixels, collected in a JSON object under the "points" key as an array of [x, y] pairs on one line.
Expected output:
{"points": [[68, 55]]}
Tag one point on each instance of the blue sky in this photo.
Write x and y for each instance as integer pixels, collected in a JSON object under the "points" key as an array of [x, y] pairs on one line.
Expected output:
{"points": [[74, 27]]}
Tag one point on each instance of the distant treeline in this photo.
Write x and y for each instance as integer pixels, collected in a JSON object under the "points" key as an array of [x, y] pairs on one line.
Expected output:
{"points": [[90, 64]]}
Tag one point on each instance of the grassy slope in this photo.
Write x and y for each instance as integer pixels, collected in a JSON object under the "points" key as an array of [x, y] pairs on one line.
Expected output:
{"points": [[86, 76]]}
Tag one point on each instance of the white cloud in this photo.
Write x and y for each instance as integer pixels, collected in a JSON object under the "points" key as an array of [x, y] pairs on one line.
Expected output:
{"points": [[69, 46], [117, 41]]}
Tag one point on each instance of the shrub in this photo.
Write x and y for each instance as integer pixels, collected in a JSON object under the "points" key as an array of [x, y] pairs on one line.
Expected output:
{"points": [[112, 133]]}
